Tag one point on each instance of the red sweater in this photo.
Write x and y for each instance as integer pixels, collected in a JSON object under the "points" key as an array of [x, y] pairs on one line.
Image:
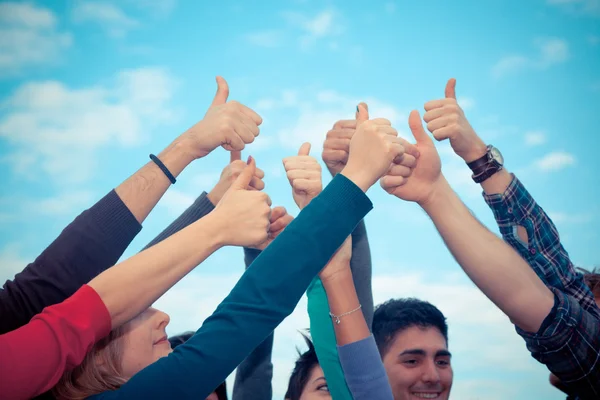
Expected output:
{"points": [[34, 357]]}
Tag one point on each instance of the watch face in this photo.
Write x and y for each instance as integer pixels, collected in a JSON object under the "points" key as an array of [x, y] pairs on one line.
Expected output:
{"points": [[497, 156]]}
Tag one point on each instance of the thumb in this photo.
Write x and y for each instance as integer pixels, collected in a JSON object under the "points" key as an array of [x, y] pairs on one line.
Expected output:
{"points": [[242, 181], [451, 89], [416, 127], [362, 112], [235, 155], [304, 149], [222, 92]]}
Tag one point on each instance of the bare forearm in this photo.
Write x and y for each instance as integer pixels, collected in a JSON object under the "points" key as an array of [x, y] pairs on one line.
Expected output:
{"points": [[133, 285], [142, 190], [497, 183], [342, 298], [492, 265]]}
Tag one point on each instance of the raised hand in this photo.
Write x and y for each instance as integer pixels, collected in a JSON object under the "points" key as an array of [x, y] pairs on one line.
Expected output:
{"points": [[336, 147], [230, 174], [243, 215], [280, 219], [446, 120], [340, 262], [227, 123], [304, 174], [426, 174], [373, 148]]}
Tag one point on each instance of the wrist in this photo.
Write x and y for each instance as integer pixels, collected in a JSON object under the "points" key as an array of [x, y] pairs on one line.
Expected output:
{"points": [[215, 226], [341, 275], [438, 196], [176, 157], [476, 152], [216, 194], [358, 177]]}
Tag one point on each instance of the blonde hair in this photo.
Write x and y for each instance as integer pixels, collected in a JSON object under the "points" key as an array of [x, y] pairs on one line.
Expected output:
{"points": [[99, 372]]}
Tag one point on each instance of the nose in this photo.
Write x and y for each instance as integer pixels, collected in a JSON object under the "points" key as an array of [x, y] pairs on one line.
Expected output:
{"points": [[162, 319], [430, 372]]}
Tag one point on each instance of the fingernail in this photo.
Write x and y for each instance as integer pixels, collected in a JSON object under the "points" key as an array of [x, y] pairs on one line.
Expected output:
{"points": [[249, 160]]}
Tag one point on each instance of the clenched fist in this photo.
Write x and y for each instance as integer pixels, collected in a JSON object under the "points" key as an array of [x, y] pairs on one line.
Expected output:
{"points": [[446, 120], [230, 174], [304, 174], [373, 148], [227, 124], [243, 215]]}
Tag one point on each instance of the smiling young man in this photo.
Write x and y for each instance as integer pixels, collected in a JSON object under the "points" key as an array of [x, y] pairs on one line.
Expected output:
{"points": [[412, 337]]}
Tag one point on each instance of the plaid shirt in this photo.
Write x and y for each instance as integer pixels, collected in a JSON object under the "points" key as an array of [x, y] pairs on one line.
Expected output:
{"points": [[568, 341]]}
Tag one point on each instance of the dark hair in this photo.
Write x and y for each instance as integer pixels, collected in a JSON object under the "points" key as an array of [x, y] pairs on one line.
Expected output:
{"points": [[180, 339], [304, 366], [592, 280], [396, 315]]}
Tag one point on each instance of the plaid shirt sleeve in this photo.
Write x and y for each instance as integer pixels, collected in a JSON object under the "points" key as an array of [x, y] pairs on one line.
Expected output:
{"points": [[544, 252], [568, 343]]}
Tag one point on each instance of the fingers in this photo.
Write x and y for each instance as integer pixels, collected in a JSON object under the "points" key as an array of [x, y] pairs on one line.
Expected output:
{"points": [[450, 91], [444, 133], [295, 174], [235, 156], [304, 149], [381, 121], [241, 129], [362, 112], [399, 170], [246, 175], [441, 122], [345, 124], [410, 149], [256, 184], [433, 104], [340, 156], [408, 160], [301, 162], [390, 182], [416, 127], [222, 92], [248, 112]]}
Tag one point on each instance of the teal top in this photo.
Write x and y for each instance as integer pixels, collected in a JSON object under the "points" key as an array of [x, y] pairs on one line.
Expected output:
{"points": [[265, 295]]}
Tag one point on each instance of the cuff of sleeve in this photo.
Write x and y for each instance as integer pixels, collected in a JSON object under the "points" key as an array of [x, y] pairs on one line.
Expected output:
{"points": [[558, 325], [361, 361], [250, 255], [514, 205], [351, 199], [116, 219], [201, 206]]}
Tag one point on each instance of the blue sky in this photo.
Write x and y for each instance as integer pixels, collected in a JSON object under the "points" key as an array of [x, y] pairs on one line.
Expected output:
{"points": [[89, 88]]}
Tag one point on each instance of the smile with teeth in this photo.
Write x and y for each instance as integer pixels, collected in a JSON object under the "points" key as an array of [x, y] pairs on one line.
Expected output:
{"points": [[426, 395]]}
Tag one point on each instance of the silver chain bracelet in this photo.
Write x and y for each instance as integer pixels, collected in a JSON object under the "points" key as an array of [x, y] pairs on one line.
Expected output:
{"points": [[336, 318]]}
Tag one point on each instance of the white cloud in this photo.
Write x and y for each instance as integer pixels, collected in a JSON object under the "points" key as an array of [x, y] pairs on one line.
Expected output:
{"points": [[578, 7], [63, 204], [110, 17], [535, 138], [466, 103], [555, 161], [56, 130], [176, 202], [550, 51], [390, 7], [326, 23], [28, 37], [268, 38], [11, 261], [568, 218]]}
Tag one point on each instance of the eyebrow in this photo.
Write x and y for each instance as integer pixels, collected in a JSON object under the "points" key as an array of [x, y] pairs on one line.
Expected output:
{"points": [[421, 352], [321, 378]]}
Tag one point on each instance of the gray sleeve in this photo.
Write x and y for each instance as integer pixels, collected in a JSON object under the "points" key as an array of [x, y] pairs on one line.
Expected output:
{"points": [[200, 208], [362, 270], [253, 376]]}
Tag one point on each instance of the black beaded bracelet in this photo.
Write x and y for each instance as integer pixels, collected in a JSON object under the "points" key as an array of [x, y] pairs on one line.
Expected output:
{"points": [[163, 168]]}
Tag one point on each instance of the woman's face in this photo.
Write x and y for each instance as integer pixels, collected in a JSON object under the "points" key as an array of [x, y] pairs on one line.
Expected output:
{"points": [[316, 386], [144, 341]]}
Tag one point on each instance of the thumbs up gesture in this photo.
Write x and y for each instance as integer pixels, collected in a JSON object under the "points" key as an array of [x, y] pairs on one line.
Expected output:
{"points": [[304, 174], [227, 123], [425, 176], [336, 147], [446, 120], [243, 215], [230, 174]]}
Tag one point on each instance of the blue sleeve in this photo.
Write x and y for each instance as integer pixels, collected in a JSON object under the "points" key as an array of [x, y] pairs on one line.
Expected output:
{"points": [[263, 297], [364, 370]]}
